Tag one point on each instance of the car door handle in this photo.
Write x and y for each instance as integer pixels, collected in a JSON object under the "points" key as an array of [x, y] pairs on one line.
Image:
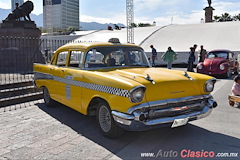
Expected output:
{"points": [[63, 70], [51, 68]]}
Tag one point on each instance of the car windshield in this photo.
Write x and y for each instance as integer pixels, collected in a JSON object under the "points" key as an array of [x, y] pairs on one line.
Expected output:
{"points": [[101, 57], [218, 54]]}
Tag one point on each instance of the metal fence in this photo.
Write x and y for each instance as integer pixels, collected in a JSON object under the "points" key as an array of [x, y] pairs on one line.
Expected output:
{"points": [[17, 55]]}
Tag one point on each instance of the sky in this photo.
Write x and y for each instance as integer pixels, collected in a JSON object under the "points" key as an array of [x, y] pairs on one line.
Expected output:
{"points": [[163, 12]]}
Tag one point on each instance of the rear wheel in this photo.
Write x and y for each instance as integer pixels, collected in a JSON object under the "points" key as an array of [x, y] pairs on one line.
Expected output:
{"points": [[47, 98], [105, 121]]}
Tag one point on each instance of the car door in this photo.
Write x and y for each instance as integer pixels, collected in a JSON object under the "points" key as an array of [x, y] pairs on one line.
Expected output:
{"points": [[73, 80], [58, 73]]}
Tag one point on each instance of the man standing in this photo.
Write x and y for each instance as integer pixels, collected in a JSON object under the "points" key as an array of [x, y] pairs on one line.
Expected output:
{"points": [[191, 59], [195, 47], [202, 54], [154, 55]]}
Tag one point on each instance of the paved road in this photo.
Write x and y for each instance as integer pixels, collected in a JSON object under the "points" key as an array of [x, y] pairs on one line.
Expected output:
{"points": [[34, 131]]}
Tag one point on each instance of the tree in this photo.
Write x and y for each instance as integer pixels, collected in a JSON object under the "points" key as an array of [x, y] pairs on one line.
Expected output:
{"points": [[216, 18], [223, 18], [133, 25], [236, 17], [144, 25]]}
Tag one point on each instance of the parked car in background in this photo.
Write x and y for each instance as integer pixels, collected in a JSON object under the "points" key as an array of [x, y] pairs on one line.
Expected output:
{"points": [[219, 62], [116, 83]]}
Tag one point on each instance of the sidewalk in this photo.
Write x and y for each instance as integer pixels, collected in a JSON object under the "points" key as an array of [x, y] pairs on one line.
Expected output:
{"points": [[34, 131]]}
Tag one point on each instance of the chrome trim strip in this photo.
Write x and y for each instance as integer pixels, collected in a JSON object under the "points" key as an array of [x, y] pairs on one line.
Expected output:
{"points": [[189, 77], [191, 116], [40, 75], [122, 115], [92, 86], [213, 79], [165, 102], [132, 90]]}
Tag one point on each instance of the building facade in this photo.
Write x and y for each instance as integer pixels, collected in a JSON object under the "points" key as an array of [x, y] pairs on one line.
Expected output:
{"points": [[61, 14], [20, 2]]}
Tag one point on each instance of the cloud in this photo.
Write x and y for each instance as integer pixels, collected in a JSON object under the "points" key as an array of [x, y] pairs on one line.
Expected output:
{"points": [[148, 4], [117, 18], [230, 7], [175, 19], [177, 10], [4, 5]]}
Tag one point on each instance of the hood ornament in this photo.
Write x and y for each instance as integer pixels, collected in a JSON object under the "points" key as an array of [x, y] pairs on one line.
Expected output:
{"points": [[186, 75], [150, 79]]}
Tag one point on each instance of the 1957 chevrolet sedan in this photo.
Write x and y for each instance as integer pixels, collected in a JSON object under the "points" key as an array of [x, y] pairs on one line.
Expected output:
{"points": [[116, 83]]}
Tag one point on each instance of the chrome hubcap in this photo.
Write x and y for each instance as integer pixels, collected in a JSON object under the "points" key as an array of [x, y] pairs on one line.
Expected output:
{"points": [[104, 118]]}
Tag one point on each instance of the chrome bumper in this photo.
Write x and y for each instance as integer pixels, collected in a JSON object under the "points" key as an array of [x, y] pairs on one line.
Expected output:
{"points": [[139, 119]]}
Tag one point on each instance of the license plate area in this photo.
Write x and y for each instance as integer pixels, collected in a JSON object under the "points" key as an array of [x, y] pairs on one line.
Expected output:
{"points": [[179, 122]]}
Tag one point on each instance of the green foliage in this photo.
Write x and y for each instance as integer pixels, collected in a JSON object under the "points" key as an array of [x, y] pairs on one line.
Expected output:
{"points": [[140, 25], [236, 17], [226, 17], [134, 25], [144, 25]]}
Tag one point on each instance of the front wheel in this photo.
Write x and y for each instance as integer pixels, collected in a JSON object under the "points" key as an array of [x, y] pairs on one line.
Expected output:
{"points": [[105, 121]]}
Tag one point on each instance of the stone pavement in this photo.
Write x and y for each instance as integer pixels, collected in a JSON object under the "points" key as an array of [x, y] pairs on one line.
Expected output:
{"points": [[35, 131]]}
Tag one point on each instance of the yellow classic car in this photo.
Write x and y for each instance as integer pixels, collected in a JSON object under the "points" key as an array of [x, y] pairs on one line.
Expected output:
{"points": [[116, 83]]}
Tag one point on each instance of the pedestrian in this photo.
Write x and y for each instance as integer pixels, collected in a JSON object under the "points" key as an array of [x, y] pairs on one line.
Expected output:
{"points": [[169, 56], [202, 54], [154, 55], [195, 47], [191, 59], [235, 88]]}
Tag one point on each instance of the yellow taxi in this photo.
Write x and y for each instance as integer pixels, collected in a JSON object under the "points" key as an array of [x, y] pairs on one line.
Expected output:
{"points": [[116, 83]]}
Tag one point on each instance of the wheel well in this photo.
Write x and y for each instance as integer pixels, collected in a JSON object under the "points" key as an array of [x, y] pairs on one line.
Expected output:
{"points": [[92, 107]]}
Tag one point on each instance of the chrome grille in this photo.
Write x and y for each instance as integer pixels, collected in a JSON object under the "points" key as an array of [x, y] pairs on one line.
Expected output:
{"points": [[175, 111], [177, 104]]}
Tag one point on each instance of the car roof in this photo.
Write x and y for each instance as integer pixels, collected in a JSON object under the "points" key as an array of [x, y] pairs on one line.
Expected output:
{"points": [[88, 45], [220, 50]]}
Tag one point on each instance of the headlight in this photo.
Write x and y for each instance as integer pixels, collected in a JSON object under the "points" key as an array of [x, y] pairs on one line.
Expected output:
{"points": [[137, 94], [209, 86], [222, 67], [200, 66]]}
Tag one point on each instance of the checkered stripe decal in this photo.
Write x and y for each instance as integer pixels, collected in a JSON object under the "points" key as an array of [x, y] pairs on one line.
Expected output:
{"points": [[96, 87]]}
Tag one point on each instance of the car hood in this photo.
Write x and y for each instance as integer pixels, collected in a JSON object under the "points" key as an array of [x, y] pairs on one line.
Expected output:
{"points": [[163, 83], [212, 64]]}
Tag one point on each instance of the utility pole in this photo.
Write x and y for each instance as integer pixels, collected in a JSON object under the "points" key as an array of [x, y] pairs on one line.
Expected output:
{"points": [[130, 21]]}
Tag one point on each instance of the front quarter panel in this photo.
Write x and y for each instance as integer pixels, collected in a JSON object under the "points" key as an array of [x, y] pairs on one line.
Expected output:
{"points": [[112, 88]]}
